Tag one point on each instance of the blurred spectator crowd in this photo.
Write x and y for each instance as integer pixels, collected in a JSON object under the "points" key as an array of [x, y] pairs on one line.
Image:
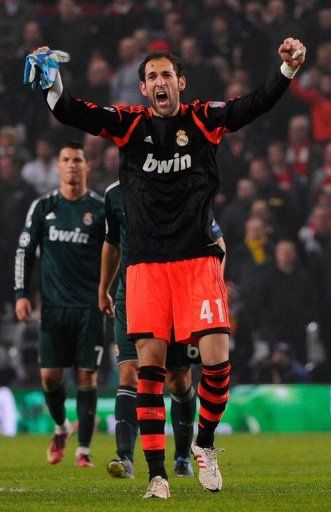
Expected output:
{"points": [[274, 204]]}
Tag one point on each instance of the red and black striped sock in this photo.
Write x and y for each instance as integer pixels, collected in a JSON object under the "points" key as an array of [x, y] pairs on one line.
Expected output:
{"points": [[151, 416], [213, 392]]}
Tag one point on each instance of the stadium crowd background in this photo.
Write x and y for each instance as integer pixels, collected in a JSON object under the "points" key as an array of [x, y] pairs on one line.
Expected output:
{"points": [[274, 204]]}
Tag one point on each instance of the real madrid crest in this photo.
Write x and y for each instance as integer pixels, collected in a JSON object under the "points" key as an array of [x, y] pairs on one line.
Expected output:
{"points": [[182, 138], [88, 218]]}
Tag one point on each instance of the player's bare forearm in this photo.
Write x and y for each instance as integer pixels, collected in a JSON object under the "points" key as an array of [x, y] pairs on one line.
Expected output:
{"points": [[110, 261]]}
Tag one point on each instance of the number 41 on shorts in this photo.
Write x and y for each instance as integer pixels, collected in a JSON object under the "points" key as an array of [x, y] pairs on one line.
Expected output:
{"points": [[207, 313]]}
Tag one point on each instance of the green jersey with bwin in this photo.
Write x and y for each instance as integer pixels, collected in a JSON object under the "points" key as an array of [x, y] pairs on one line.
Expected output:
{"points": [[69, 235]]}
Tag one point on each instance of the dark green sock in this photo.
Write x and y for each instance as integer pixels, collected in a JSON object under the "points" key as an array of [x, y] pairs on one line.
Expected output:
{"points": [[86, 409], [55, 402], [183, 408], [126, 421]]}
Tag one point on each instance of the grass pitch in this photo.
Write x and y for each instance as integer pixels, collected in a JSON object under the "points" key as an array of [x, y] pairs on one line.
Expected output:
{"points": [[263, 473]]}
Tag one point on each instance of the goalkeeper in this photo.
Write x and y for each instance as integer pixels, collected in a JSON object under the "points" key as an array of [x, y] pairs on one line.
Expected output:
{"points": [[179, 357], [169, 177]]}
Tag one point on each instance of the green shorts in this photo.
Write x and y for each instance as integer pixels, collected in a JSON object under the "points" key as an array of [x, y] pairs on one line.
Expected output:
{"points": [[178, 356], [71, 337]]}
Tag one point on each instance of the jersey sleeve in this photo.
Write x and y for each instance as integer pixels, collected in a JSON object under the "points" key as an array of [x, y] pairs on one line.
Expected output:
{"points": [[114, 123], [217, 118], [28, 242], [112, 221]]}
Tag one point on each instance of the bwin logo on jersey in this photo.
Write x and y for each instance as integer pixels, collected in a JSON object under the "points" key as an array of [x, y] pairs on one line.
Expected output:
{"points": [[76, 237], [177, 163]]}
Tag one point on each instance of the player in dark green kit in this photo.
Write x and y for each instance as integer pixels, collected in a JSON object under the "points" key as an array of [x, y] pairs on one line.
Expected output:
{"points": [[68, 227], [179, 357]]}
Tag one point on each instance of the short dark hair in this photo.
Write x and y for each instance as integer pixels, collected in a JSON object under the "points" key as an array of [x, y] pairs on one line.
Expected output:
{"points": [[73, 145], [176, 62]]}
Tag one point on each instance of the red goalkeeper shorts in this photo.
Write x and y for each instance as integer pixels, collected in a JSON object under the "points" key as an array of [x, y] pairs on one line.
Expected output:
{"points": [[188, 296]]}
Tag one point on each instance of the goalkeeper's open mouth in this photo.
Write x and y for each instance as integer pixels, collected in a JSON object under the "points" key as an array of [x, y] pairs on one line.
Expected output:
{"points": [[162, 99]]}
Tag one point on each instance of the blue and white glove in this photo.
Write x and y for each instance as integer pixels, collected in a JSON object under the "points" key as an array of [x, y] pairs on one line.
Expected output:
{"points": [[41, 68]]}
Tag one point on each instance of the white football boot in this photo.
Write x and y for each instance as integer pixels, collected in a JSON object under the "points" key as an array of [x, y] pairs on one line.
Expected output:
{"points": [[209, 474], [158, 487]]}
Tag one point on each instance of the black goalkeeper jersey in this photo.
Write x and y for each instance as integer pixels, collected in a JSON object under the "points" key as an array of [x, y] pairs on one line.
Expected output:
{"points": [[168, 169], [116, 231]]}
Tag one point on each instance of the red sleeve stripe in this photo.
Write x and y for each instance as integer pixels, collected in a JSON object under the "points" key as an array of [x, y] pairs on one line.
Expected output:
{"points": [[215, 136], [151, 413], [91, 105], [153, 441], [213, 398], [134, 109], [150, 386], [120, 141]]}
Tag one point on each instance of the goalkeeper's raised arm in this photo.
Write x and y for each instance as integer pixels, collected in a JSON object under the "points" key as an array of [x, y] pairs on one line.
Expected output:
{"points": [[117, 122], [107, 121]]}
